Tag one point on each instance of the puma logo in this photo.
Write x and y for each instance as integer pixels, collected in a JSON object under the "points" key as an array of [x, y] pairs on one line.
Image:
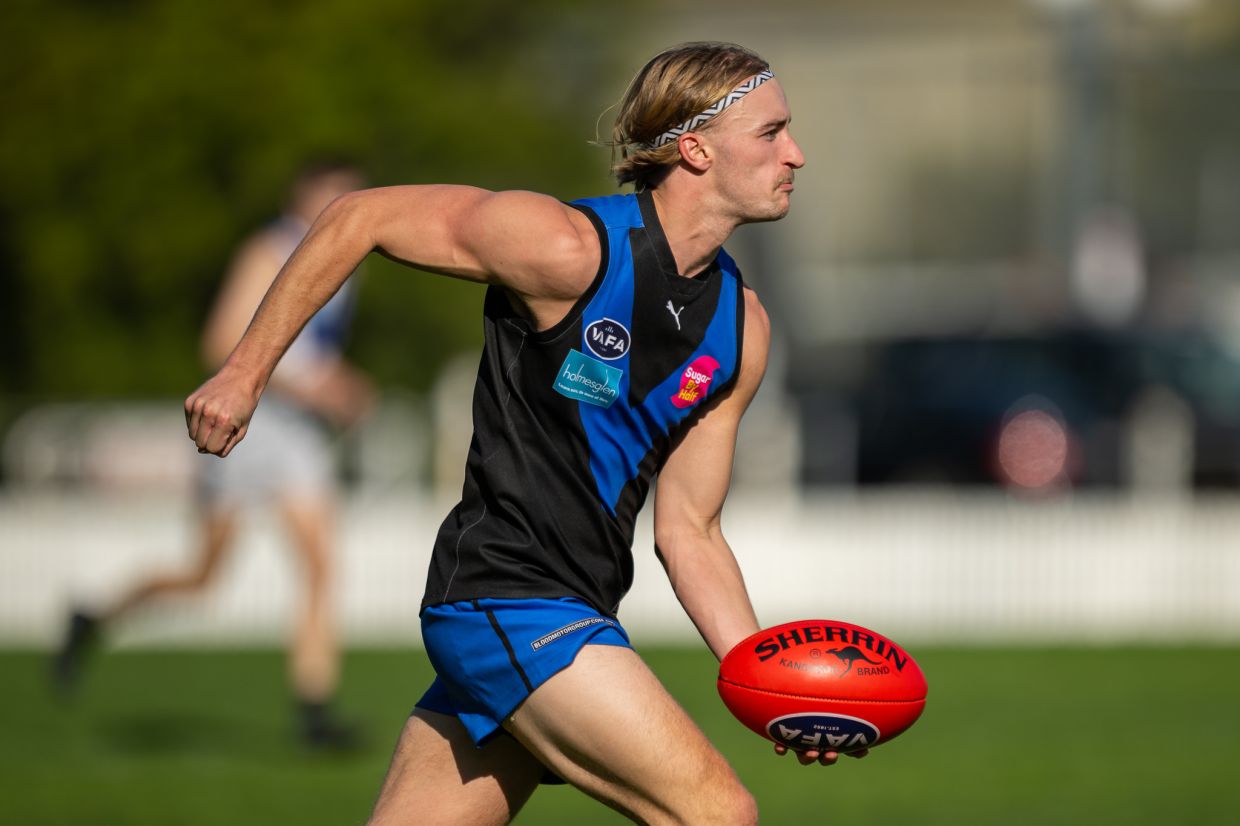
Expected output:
{"points": [[850, 654], [675, 313]]}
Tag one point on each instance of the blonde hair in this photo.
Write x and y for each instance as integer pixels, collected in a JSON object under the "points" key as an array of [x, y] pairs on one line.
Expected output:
{"points": [[673, 87]]}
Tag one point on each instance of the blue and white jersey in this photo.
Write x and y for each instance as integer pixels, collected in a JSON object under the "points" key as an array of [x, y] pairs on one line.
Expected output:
{"points": [[572, 423]]}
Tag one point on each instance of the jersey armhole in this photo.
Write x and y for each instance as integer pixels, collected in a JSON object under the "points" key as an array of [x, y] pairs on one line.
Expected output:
{"points": [[581, 303], [727, 386], [740, 332], [735, 271]]}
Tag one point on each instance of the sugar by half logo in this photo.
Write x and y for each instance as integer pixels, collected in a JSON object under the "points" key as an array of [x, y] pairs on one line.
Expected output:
{"points": [[607, 338], [821, 731], [695, 381], [583, 379]]}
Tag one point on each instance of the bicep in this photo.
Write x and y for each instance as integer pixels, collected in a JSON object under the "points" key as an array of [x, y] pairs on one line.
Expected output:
{"points": [[525, 241], [694, 481]]}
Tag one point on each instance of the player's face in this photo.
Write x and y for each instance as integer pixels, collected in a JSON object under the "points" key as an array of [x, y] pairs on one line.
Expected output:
{"points": [[757, 157]]}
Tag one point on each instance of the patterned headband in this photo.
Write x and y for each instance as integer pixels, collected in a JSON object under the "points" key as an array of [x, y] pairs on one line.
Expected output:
{"points": [[727, 100]]}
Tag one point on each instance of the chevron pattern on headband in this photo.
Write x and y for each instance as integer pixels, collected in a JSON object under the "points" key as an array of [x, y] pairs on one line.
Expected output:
{"points": [[715, 110]]}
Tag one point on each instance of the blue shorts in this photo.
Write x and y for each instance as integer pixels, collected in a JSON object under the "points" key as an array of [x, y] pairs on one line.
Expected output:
{"points": [[490, 654]]}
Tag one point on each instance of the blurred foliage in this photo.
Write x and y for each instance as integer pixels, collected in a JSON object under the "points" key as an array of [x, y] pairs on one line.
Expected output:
{"points": [[142, 140]]}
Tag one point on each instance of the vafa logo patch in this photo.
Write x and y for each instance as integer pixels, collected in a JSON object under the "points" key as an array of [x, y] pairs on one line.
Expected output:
{"points": [[608, 339], [822, 730]]}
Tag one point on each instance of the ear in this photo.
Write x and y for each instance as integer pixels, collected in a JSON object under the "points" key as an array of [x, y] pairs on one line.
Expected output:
{"points": [[695, 152]]}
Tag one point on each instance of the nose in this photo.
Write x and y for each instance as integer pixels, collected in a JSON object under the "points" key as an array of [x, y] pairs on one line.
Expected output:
{"points": [[795, 158]]}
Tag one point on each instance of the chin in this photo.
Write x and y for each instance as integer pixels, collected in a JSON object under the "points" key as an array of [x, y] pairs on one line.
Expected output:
{"points": [[771, 212]]}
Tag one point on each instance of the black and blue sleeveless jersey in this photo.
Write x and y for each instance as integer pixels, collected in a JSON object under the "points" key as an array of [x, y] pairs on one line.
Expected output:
{"points": [[572, 423]]}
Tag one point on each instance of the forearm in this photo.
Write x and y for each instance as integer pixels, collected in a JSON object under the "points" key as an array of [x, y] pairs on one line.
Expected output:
{"points": [[708, 582], [330, 252]]}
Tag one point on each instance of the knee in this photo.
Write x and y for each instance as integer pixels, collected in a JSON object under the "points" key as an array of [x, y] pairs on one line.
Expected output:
{"points": [[318, 572], [729, 803], [316, 565], [742, 809]]}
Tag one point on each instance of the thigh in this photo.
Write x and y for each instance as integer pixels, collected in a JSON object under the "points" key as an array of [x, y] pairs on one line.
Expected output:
{"points": [[490, 654], [609, 727], [438, 776]]}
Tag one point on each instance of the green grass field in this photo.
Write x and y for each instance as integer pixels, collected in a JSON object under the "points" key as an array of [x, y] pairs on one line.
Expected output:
{"points": [[1010, 736]]}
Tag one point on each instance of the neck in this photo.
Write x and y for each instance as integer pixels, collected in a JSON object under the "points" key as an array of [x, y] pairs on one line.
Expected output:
{"points": [[693, 232]]}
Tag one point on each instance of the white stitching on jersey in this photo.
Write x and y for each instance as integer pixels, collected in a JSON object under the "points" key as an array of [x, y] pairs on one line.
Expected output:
{"points": [[508, 370], [461, 537], [448, 587]]}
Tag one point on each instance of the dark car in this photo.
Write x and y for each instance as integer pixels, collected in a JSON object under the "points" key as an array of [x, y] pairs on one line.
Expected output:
{"points": [[956, 410]]}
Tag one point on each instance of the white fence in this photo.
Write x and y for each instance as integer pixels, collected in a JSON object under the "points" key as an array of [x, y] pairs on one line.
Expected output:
{"points": [[925, 565]]}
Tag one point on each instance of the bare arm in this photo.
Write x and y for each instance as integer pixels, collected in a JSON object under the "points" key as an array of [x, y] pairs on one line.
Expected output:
{"points": [[331, 387], [540, 249], [689, 503]]}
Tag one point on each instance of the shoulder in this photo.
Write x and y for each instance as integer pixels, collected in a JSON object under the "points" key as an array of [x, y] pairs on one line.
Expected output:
{"points": [[755, 347], [561, 247], [529, 242], [757, 321], [757, 340]]}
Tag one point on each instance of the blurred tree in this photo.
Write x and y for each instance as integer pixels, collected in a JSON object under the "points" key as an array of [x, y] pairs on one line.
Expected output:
{"points": [[142, 139]]}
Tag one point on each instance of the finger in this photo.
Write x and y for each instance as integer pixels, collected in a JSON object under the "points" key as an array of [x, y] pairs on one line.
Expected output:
{"points": [[202, 435], [858, 754], [206, 425], [825, 758], [193, 416], [828, 758], [213, 431], [222, 434], [808, 758], [781, 749], [211, 434], [237, 436]]}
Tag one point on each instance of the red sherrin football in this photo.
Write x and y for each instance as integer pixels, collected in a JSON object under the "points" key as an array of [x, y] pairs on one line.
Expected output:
{"points": [[822, 685]]}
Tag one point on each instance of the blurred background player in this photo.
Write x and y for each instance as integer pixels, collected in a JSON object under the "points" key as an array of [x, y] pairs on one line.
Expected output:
{"points": [[287, 463]]}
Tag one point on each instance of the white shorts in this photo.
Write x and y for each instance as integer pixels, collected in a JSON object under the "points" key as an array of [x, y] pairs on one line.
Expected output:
{"points": [[287, 451]]}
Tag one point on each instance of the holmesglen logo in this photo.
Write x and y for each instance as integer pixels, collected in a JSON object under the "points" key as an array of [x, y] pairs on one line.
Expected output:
{"points": [[583, 379], [608, 339]]}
